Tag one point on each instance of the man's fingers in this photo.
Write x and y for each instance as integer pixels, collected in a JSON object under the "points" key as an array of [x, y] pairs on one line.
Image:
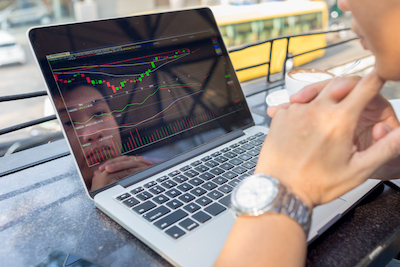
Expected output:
{"points": [[273, 109], [356, 101], [387, 148], [309, 92]]}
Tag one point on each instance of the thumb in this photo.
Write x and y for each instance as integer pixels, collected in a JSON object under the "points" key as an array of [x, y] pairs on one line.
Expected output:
{"points": [[382, 151]]}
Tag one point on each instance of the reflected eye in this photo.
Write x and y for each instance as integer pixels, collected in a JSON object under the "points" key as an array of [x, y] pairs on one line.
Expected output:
{"points": [[68, 124], [99, 113]]}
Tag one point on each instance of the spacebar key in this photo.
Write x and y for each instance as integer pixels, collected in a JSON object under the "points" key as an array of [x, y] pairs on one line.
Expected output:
{"points": [[170, 219]]}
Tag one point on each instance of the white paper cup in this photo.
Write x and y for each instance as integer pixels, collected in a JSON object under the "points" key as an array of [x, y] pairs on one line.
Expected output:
{"points": [[297, 79]]}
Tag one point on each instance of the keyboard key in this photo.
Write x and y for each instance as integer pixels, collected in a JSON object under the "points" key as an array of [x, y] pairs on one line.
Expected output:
{"points": [[227, 166], [144, 196], [253, 153], [196, 163], [239, 150], [157, 190], [230, 155], [236, 161], [162, 179], [180, 178], [230, 175], [169, 184], [216, 154], [192, 207], [226, 200], [234, 182], [146, 206], [209, 186], [215, 209], [226, 149], [221, 159], [184, 187], [174, 204], [220, 180], [204, 201], [249, 165], [186, 197], [251, 137], [130, 202], [260, 134], [185, 168], [201, 217], [239, 170], [174, 173], [244, 157], [206, 176], [247, 146], [217, 171], [188, 224], [196, 181], [173, 193], [175, 232], [206, 158], [255, 160], [251, 172], [170, 219], [243, 142], [156, 213], [150, 184], [225, 189], [160, 199], [191, 173], [123, 196], [255, 142], [234, 145], [212, 164], [198, 191], [137, 190], [215, 194], [243, 176], [201, 168]]}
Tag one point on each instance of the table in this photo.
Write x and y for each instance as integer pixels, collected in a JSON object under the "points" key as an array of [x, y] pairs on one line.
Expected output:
{"points": [[43, 207]]}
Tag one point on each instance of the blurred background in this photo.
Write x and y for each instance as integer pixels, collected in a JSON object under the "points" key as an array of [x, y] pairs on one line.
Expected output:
{"points": [[20, 74]]}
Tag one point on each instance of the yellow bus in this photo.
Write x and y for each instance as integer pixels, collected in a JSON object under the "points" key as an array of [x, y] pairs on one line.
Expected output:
{"points": [[246, 24]]}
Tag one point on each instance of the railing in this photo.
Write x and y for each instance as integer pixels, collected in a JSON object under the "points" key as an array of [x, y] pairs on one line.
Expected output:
{"points": [[269, 85]]}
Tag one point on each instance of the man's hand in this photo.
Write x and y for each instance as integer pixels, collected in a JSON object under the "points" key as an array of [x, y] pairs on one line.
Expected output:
{"points": [[376, 121], [318, 149], [117, 168]]}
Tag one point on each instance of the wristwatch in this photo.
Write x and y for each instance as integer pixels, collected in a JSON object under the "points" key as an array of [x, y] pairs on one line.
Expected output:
{"points": [[260, 193]]}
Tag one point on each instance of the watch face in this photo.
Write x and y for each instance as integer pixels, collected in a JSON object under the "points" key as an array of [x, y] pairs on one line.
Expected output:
{"points": [[255, 193]]}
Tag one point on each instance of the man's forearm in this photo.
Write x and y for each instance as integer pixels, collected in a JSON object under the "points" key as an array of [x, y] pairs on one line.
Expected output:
{"points": [[266, 240]]}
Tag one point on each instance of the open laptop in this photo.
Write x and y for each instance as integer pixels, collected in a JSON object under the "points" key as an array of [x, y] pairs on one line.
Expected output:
{"points": [[158, 126]]}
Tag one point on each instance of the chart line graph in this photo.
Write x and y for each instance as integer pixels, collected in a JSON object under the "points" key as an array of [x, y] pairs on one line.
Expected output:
{"points": [[140, 103], [112, 70], [136, 124]]}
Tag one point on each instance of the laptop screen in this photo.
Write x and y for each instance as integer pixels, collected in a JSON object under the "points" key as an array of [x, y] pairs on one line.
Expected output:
{"points": [[134, 92]]}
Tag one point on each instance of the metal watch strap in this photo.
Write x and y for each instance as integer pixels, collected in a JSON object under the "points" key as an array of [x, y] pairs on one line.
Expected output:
{"points": [[297, 210]]}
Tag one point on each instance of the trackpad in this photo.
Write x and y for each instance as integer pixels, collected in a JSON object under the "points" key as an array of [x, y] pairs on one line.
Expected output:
{"points": [[325, 213]]}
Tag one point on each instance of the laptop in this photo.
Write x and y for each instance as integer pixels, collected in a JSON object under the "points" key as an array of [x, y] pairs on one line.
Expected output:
{"points": [[158, 126]]}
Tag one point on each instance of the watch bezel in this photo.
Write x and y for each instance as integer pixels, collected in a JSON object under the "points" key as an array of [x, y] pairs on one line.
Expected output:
{"points": [[263, 208]]}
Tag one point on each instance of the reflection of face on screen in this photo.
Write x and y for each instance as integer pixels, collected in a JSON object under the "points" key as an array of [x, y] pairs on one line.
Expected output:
{"points": [[102, 143]]}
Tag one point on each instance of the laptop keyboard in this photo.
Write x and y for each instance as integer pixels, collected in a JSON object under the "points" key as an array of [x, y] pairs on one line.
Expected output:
{"points": [[184, 199]]}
